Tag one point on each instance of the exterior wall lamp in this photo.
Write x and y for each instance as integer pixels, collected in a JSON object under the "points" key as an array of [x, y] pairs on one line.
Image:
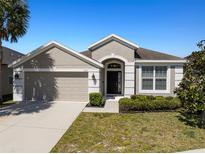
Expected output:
{"points": [[93, 76], [16, 76]]}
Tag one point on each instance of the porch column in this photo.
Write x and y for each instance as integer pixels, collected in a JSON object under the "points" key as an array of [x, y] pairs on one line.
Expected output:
{"points": [[129, 79]]}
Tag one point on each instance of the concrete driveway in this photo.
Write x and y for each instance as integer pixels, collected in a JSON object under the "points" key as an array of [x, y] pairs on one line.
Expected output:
{"points": [[36, 126]]}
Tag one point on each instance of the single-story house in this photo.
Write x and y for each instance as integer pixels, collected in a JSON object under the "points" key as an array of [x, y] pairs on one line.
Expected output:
{"points": [[113, 66], [6, 76]]}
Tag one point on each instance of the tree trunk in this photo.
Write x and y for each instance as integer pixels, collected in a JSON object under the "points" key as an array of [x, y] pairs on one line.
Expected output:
{"points": [[1, 59], [203, 119]]}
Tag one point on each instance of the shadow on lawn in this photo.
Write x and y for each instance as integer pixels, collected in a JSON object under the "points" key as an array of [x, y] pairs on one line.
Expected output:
{"points": [[192, 119]]}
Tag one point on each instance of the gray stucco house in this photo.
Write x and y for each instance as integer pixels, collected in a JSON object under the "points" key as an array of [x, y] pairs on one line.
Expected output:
{"points": [[6, 76], [113, 66]]}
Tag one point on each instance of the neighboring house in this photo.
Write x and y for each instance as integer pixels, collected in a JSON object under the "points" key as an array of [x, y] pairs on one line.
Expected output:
{"points": [[9, 56], [113, 66]]}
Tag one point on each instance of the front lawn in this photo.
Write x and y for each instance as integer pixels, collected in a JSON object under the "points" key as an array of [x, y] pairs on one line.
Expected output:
{"points": [[139, 132]]}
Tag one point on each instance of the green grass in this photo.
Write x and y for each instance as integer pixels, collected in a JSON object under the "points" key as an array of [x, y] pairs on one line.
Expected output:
{"points": [[7, 103], [140, 132]]}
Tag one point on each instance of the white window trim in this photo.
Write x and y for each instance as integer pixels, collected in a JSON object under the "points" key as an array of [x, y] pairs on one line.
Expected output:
{"points": [[154, 91]]}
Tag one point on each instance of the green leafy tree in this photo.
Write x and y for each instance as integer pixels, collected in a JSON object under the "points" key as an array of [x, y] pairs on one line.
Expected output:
{"points": [[191, 90], [14, 16], [201, 44]]}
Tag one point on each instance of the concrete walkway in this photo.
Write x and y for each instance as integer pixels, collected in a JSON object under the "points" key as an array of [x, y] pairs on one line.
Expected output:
{"points": [[194, 151], [111, 106], [35, 127]]}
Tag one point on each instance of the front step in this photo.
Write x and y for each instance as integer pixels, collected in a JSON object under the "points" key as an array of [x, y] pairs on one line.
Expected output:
{"points": [[114, 98]]}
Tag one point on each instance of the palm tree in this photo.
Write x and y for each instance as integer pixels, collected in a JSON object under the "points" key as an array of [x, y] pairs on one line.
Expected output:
{"points": [[14, 16], [201, 44]]}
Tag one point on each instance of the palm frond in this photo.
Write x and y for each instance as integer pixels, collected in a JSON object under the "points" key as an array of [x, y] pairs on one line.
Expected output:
{"points": [[14, 16]]}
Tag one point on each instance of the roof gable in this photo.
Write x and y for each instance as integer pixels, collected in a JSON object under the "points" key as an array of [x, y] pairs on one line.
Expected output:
{"points": [[52, 44], [110, 38]]}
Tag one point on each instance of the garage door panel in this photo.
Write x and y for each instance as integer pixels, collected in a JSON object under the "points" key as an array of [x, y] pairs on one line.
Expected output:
{"points": [[71, 93], [72, 82], [70, 86]]}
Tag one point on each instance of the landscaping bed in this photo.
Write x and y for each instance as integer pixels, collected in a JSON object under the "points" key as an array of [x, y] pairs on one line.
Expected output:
{"points": [[8, 97], [139, 132], [142, 103], [7, 100]]}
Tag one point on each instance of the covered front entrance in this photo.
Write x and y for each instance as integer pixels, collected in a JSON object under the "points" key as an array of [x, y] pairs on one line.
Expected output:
{"points": [[114, 82], [113, 77]]}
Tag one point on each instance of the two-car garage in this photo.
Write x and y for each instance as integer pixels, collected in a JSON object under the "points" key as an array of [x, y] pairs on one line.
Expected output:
{"points": [[58, 86]]}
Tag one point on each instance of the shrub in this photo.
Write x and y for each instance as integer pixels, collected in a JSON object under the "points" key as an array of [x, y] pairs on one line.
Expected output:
{"points": [[96, 99], [142, 97], [148, 103], [163, 104], [191, 88], [150, 97], [176, 101], [133, 96], [126, 104], [159, 97], [169, 98]]}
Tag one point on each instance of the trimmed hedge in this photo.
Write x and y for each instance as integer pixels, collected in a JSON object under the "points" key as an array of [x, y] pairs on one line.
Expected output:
{"points": [[148, 103], [96, 99]]}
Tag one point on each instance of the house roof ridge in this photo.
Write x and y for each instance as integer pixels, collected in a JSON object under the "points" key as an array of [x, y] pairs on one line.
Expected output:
{"points": [[116, 37]]}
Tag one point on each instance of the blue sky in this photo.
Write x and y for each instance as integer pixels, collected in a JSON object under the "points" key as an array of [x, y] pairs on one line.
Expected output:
{"points": [[171, 26]]}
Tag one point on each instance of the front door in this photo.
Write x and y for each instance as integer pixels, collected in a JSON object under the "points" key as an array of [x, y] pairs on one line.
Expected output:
{"points": [[114, 82]]}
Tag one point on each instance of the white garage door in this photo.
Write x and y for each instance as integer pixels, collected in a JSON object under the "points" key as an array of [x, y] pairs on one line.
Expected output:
{"points": [[57, 86]]}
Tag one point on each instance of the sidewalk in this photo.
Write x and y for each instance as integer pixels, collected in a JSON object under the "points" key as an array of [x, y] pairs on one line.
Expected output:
{"points": [[194, 151], [111, 106]]}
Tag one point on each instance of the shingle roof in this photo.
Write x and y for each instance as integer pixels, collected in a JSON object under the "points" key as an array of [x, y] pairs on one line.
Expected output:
{"points": [[87, 53], [144, 54], [10, 55], [147, 54], [11, 50]]}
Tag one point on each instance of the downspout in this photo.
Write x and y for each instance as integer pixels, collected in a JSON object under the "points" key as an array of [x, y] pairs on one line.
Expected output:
{"points": [[135, 86], [1, 60]]}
